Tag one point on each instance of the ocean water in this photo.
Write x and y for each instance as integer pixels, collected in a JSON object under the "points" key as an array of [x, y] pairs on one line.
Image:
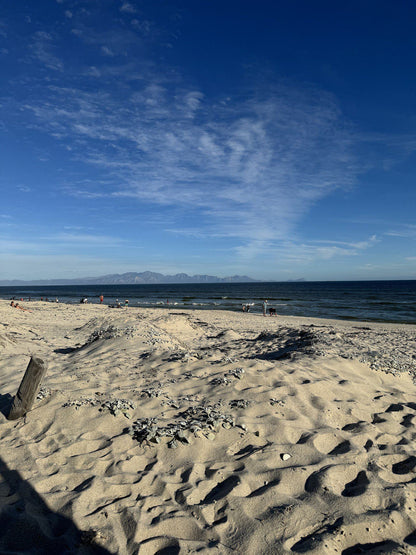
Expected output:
{"points": [[379, 301]]}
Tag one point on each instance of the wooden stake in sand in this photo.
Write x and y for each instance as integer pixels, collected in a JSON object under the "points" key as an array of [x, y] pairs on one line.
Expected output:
{"points": [[28, 389]]}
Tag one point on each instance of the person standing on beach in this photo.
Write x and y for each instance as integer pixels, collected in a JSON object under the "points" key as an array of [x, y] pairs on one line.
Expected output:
{"points": [[264, 307], [101, 299]]}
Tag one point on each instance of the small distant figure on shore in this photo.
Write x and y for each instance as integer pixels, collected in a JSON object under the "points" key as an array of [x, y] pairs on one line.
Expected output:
{"points": [[17, 305], [272, 311], [246, 307], [84, 300], [56, 300], [167, 301], [116, 305], [264, 307], [101, 299], [126, 302]]}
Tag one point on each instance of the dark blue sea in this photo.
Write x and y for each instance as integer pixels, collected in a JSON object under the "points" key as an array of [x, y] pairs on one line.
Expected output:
{"points": [[376, 301]]}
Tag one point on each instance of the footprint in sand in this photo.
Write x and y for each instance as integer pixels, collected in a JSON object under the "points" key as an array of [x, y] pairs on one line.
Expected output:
{"points": [[317, 538], [331, 478], [330, 443], [404, 467], [341, 449], [355, 427], [263, 489], [356, 487], [395, 407], [407, 420], [221, 490], [384, 546]]}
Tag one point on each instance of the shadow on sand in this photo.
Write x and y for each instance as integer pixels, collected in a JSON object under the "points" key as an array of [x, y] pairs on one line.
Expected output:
{"points": [[5, 404], [27, 525]]}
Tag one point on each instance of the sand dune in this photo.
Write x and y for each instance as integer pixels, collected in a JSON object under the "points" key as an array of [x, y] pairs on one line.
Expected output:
{"points": [[167, 431]]}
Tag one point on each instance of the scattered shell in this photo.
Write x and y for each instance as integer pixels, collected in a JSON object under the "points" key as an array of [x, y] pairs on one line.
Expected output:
{"points": [[200, 420], [237, 373], [119, 405], [220, 381], [111, 332], [81, 402], [239, 403], [44, 392], [279, 402], [151, 392]]}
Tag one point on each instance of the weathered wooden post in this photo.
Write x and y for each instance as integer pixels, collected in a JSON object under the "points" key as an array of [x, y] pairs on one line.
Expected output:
{"points": [[28, 389]]}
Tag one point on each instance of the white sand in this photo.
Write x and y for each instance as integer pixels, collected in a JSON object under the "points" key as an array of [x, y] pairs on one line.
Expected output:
{"points": [[311, 450]]}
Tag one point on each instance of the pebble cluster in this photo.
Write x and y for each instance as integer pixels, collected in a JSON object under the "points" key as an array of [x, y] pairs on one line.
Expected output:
{"points": [[366, 345], [43, 393], [114, 406], [225, 380], [370, 347], [236, 373], [111, 332], [239, 403], [119, 406], [83, 402], [280, 402], [201, 421], [151, 393]]}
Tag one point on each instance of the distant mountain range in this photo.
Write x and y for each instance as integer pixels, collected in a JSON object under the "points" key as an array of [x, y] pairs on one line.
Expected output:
{"points": [[131, 278]]}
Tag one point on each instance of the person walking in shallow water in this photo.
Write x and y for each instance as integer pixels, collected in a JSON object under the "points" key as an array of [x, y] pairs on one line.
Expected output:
{"points": [[264, 307]]}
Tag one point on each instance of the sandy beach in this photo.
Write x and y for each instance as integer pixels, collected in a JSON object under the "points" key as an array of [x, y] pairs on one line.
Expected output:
{"points": [[174, 431]]}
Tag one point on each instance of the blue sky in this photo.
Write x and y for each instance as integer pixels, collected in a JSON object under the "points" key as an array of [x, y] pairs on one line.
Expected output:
{"points": [[272, 139]]}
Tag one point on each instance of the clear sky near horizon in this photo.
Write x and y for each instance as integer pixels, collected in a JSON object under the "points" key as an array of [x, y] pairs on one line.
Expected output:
{"points": [[272, 139]]}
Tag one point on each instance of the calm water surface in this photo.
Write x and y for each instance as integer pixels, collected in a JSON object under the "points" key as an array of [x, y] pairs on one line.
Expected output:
{"points": [[382, 301]]}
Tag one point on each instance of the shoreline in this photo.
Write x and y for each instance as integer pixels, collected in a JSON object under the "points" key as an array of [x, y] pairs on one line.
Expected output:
{"points": [[164, 307], [383, 301], [209, 429]]}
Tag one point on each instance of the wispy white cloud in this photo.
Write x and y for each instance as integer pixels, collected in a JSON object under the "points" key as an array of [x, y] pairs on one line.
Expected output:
{"points": [[354, 246], [86, 239], [252, 167], [53, 244], [403, 231], [107, 51], [127, 8], [246, 167], [42, 49], [304, 252]]}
